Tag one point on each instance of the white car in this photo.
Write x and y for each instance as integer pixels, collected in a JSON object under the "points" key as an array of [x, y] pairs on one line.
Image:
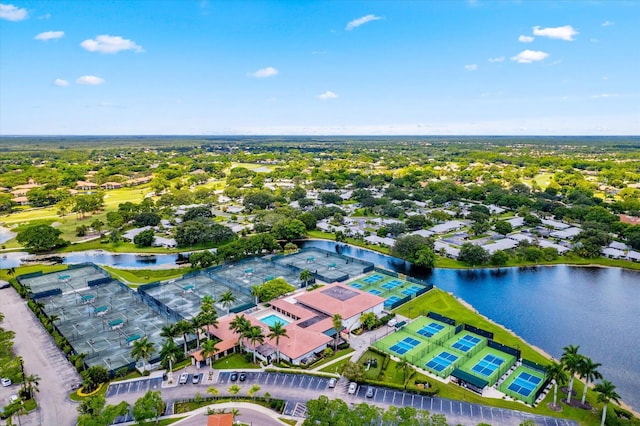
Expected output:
{"points": [[183, 379], [13, 398], [353, 386], [5, 382]]}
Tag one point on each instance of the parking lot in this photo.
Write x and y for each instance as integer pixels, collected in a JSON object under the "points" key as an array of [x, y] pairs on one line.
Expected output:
{"points": [[281, 385], [133, 386]]}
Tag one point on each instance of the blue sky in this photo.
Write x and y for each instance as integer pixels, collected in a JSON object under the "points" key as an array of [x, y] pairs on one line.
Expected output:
{"points": [[310, 67]]}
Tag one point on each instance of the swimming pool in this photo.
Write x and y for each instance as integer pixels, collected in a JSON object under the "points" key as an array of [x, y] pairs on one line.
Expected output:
{"points": [[272, 319]]}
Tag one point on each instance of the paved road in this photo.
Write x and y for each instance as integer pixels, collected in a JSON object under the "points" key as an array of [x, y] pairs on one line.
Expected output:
{"points": [[43, 358], [297, 389]]}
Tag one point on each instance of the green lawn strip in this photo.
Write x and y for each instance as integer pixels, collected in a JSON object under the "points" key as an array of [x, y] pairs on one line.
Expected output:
{"points": [[288, 421], [21, 270], [30, 404], [332, 357], [163, 422], [331, 236], [233, 361], [143, 276], [336, 367]]}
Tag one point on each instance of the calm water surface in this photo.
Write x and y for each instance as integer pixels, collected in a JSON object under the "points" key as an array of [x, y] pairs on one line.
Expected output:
{"points": [[550, 307]]}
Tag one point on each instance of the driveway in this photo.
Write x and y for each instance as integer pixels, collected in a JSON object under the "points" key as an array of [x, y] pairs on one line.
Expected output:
{"points": [[41, 357]]}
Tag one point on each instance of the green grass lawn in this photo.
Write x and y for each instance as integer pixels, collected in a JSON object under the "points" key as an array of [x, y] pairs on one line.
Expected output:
{"points": [[336, 367], [331, 236], [232, 362], [335, 355], [135, 277]]}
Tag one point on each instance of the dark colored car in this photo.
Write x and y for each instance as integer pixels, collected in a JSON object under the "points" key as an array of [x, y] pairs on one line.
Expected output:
{"points": [[243, 377], [233, 377]]}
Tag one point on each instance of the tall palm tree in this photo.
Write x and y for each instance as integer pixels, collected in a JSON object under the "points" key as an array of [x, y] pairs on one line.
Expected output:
{"points": [[254, 335], [169, 352], [256, 291], [606, 393], [227, 298], [209, 349], [305, 276], [556, 373], [31, 383], [276, 331], [337, 326], [571, 364], [588, 371], [213, 391], [184, 328], [197, 322], [239, 325], [253, 390], [143, 348], [570, 360]]}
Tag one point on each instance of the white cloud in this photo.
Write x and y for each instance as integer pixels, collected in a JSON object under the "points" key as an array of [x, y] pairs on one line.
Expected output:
{"points": [[529, 56], [45, 16], [60, 82], [605, 95], [525, 39], [471, 67], [49, 35], [608, 23], [264, 72], [12, 13], [327, 95], [562, 33], [498, 59], [90, 80], [110, 44], [361, 21]]}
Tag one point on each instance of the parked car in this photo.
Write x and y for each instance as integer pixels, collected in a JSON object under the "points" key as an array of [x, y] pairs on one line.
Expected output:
{"points": [[13, 398], [233, 377], [243, 377], [333, 382], [5, 382], [370, 392], [183, 379], [4, 284], [353, 386], [196, 379]]}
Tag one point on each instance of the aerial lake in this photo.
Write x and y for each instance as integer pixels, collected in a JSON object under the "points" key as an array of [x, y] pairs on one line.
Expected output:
{"points": [[550, 307]]}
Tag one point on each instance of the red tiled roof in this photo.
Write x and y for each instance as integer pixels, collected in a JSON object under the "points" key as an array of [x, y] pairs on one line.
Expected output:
{"points": [[300, 341], [220, 419], [319, 300]]}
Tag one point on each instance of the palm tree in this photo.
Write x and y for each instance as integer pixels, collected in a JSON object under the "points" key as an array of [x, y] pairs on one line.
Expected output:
{"points": [[53, 318], [234, 389], [588, 371], [606, 392], [405, 366], [212, 390], [169, 353], [143, 348], [571, 363], [570, 359], [556, 373], [31, 383], [256, 291], [197, 322], [337, 326], [239, 325], [169, 331], [276, 331], [209, 349], [184, 327], [305, 276], [254, 335], [252, 391], [227, 298]]}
